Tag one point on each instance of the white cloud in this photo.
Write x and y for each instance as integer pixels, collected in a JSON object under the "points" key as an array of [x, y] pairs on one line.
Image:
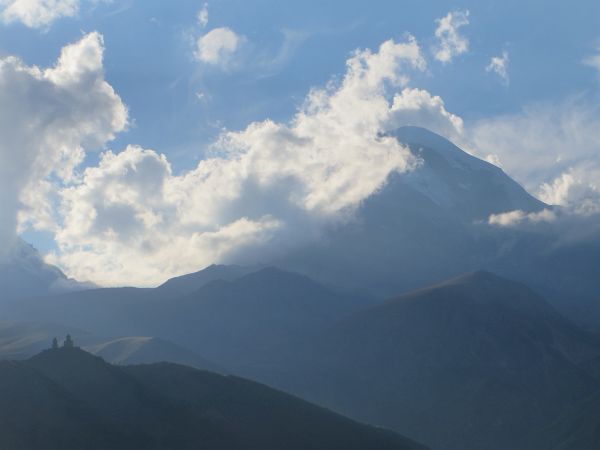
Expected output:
{"points": [[593, 61], [419, 108], [450, 42], [131, 220], [553, 149], [518, 217], [218, 46], [499, 65], [37, 13], [47, 116], [203, 16], [573, 190]]}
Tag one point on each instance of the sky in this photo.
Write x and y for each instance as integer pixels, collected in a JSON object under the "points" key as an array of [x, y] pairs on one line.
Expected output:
{"points": [[146, 139]]}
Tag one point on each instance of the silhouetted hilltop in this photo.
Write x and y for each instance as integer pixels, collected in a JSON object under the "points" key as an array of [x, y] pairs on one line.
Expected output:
{"points": [[65, 399]]}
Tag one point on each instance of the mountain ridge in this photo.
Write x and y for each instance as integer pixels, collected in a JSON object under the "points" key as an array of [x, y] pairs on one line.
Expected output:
{"points": [[132, 407]]}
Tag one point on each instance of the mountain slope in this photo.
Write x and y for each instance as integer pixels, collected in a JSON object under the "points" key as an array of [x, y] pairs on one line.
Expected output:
{"points": [[23, 273], [463, 184], [422, 226], [147, 350], [244, 321], [249, 320], [578, 428], [161, 406], [476, 362], [36, 413], [112, 311], [187, 284]]}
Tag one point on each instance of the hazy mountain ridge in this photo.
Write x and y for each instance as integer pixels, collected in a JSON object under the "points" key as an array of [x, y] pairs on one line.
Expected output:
{"points": [[431, 224], [477, 362], [474, 362], [233, 323]]}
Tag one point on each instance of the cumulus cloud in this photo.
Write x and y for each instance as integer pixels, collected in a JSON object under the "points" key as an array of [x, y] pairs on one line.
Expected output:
{"points": [[203, 16], [518, 217], [218, 47], [571, 189], [131, 220], [47, 117], [553, 149], [499, 65], [450, 42], [37, 13], [418, 107]]}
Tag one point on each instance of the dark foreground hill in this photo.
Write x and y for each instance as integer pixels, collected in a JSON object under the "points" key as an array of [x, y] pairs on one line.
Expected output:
{"points": [[67, 399], [478, 362]]}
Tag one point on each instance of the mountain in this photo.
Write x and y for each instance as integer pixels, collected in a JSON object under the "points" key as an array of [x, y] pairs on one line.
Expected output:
{"points": [[475, 362], [254, 318], [245, 321], [422, 226], [23, 273], [464, 185], [112, 311], [187, 284], [75, 400], [432, 223]]}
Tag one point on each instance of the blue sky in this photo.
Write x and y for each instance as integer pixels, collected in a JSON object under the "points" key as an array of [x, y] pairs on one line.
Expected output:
{"points": [[149, 59], [179, 104]]}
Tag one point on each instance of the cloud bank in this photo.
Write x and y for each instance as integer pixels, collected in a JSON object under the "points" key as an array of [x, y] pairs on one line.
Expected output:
{"points": [[47, 117], [131, 220]]}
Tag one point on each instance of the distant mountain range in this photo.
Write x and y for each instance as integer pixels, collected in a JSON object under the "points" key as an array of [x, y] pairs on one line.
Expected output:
{"points": [[423, 226], [362, 322], [67, 399], [234, 323], [475, 362]]}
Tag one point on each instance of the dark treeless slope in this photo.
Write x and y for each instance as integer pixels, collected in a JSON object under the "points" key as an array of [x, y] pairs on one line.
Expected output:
{"points": [[254, 319], [476, 362], [578, 428], [67, 399]]}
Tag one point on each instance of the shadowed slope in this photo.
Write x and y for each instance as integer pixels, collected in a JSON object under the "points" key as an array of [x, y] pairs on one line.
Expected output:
{"points": [[476, 362], [67, 399]]}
